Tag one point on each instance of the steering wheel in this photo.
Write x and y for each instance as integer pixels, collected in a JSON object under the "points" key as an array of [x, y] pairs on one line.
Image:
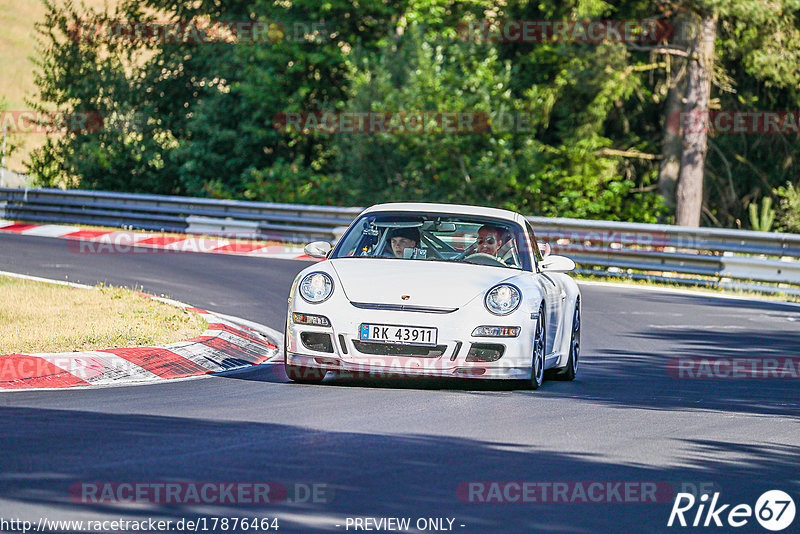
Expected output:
{"points": [[481, 258], [467, 252]]}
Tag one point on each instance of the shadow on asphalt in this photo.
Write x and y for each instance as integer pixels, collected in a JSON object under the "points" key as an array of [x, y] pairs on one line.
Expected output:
{"points": [[636, 377], [274, 372], [365, 474], [635, 373]]}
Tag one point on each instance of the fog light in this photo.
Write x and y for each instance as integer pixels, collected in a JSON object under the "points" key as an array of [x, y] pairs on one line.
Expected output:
{"points": [[307, 318], [496, 331], [485, 352], [318, 341]]}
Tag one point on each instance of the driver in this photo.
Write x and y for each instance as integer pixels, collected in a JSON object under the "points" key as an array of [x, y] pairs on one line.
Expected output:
{"points": [[494, 242], [403, 238]]}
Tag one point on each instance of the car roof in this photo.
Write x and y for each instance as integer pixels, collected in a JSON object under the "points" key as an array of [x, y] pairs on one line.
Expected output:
{"points": [[456, 209]]}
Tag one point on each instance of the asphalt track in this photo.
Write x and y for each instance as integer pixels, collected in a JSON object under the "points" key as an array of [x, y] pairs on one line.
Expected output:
{"points": [[403, 448]]}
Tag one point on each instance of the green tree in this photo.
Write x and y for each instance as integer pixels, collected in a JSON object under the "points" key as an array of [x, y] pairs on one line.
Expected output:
{"points": [[756, 41], [201, 119], [789, 208]]}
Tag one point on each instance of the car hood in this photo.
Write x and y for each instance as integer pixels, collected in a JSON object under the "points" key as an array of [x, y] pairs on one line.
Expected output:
{"points": [[425, 283]]}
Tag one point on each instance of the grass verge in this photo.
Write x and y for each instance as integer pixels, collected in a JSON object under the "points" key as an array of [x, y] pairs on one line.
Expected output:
{"points": [[40, 317]]}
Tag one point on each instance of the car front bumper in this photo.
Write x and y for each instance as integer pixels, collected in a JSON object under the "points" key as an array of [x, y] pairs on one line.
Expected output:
{"points": [[345, 353]]}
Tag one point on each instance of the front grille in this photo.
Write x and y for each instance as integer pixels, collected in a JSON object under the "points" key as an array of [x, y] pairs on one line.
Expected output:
{"points": [[392, 349], [402, 307]]}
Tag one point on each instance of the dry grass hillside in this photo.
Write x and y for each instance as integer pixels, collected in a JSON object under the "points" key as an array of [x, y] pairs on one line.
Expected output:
{"points": [[17, 46]]}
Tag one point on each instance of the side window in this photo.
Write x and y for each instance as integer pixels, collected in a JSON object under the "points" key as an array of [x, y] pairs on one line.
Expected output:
{"points": [[534, 243]]}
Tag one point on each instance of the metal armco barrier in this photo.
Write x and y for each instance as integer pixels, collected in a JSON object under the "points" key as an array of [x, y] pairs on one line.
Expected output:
{"points": [[744, 259], [287, 222], [706, 256]]}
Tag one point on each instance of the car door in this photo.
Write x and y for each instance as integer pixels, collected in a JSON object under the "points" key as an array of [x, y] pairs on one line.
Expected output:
{"points": [[553, 293]]}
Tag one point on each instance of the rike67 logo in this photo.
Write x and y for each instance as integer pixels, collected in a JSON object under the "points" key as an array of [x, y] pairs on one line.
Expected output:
{"points": [[774, 511]]}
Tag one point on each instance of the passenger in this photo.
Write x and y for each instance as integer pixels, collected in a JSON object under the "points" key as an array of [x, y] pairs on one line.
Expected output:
{"points": [[489, 240], [403, 238]]}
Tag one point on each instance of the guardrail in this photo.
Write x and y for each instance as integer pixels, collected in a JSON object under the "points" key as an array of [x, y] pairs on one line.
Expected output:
{"points": [[288, 222], [738, 259], [742, 259]]}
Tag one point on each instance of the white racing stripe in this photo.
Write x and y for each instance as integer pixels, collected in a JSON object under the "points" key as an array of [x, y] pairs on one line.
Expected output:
{"points": [[121, 238], [98, 367], [50, 230], [200, 354]]}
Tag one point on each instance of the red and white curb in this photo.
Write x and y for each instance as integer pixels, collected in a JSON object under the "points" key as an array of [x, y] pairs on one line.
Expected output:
{"points": [[228, 343], [90, 241]]}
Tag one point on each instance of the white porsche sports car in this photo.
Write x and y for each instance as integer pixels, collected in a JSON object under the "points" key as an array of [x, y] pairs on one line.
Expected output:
{"points": [[436, 290]]}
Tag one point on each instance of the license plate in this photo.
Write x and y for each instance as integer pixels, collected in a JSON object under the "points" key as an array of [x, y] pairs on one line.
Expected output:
{"points": [[404, 335]]}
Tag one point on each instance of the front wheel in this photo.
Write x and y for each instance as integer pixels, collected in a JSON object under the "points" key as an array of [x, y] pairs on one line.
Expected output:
{"points": [[537, 367], [299, 373], [304, 375]]}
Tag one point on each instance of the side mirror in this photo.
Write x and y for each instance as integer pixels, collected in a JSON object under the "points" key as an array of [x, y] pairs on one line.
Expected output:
{"points": [[318, 249], [556, 264]]}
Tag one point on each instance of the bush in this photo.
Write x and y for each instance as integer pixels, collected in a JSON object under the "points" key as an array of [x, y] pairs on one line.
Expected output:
{"points": [[788, 208]]}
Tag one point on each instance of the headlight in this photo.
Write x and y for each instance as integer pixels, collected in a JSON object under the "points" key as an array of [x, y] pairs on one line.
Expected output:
{"points": [[503, 299], [316, 287]]}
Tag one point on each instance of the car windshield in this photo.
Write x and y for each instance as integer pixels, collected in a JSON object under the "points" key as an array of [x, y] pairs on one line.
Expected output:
{"points": [[436, 237]]}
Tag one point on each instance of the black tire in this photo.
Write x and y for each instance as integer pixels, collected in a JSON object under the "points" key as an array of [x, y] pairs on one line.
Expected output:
{"points": [[571, 370], [304, 375], [539, 351], [298, 373]]}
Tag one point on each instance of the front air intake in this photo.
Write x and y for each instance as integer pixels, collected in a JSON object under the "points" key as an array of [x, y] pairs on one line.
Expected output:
{"points": [[317, 341], [485, 352]]}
